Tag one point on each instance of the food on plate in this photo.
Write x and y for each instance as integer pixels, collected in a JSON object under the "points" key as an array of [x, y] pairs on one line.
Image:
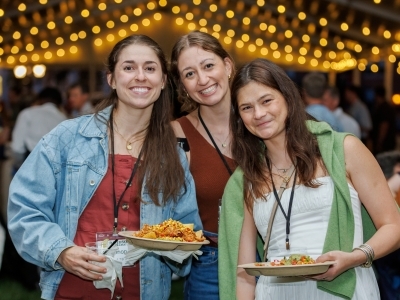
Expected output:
{"points": [[294, 259], [257, 264], [171, 230]]}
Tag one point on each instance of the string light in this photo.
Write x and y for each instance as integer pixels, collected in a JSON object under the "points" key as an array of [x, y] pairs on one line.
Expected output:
{"points": [[252, 39]]}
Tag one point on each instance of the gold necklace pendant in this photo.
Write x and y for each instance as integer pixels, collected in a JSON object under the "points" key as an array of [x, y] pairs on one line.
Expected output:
{"points": [[129, 146], [223, 145]]}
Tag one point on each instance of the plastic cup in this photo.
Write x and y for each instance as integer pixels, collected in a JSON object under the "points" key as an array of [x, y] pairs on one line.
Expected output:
{"points": [[101, 249]]}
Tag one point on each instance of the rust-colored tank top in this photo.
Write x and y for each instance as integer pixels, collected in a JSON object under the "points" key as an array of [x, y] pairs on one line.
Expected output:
{"points": [[209, 173], [98, 216]]}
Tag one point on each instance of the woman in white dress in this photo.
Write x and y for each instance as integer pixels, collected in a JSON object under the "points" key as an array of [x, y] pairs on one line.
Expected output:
{"points": [[336, 207]]}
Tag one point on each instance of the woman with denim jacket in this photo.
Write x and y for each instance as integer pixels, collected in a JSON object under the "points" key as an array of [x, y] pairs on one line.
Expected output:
{"points": [[201, 68], [82, 179]]}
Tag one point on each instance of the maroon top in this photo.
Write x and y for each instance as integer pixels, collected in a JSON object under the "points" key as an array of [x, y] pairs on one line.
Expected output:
{"points": [[98, 216], [209, 173]]}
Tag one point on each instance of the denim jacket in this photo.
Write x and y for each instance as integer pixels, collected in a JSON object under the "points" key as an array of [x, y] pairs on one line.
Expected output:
{"points": [[56, 182]]}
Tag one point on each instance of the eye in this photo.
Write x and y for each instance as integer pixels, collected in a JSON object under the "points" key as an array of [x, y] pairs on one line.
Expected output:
{"points": [[151, 68], [189, 74], [208, 66], [245, 107], [128, 68], [265, 101]]}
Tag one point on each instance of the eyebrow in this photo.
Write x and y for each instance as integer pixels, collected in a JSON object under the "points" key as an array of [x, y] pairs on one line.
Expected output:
{"points": [[146, 62], [202, 62], [258, 99]]}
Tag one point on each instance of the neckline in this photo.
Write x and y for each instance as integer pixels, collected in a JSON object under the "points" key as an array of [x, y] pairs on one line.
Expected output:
{"points": [[327, 177], [203, 138]]}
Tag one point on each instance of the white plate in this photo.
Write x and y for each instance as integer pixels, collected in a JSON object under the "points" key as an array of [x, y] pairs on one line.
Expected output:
{"points": [[154, 244], [287, 270]]}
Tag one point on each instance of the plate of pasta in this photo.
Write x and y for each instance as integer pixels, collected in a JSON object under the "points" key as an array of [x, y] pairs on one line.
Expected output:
{"points": [[294, 265], [168, 235]]}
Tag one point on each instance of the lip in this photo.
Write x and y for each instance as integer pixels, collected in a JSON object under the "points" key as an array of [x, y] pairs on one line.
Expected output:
{"points": [[263, 123], [209, 90], [141, 90]]}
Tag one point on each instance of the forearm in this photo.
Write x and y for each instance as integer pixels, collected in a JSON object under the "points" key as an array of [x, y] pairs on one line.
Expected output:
{"points": [[245, 285], [385, 240]]}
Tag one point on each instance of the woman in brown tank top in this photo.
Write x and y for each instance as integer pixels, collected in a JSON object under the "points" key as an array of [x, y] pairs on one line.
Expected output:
{"points": [[202, 69]]}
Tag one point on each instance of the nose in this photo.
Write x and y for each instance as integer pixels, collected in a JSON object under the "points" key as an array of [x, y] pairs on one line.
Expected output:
{"points": [[140, 76], [258, 112], [203, 78]]}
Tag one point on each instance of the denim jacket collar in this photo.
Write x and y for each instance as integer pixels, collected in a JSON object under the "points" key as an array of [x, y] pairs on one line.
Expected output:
{"points": [[96, 124]]}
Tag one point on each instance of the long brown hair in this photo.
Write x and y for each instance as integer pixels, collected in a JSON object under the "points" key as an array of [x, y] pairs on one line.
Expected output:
{"points": [[208, 43], [250, 151], [161, 165]]}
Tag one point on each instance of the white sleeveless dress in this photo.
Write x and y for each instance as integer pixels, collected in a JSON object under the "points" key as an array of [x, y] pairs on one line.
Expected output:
{"points": [[308, 225]]}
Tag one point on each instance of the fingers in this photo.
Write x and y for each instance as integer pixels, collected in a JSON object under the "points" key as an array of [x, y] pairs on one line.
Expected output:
{"points": [[78, 261]]}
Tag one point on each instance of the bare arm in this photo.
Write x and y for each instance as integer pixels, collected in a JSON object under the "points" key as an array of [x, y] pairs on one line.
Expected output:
{"points": [[367, 178], [245, 284]]}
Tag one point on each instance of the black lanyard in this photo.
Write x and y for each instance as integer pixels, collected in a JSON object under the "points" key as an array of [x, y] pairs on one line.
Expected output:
{"points": [[129, 182], [215, 145], [287, 216]]}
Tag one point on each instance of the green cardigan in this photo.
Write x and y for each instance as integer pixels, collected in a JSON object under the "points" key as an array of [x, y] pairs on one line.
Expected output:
{"points": [[340, 232]]}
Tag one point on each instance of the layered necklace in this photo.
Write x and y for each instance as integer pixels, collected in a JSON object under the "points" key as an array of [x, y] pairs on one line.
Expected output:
{"points": [[286, 179], [283, 170]]}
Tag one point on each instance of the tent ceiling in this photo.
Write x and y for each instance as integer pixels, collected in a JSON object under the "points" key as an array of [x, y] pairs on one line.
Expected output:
{"points": [[300, 34]]}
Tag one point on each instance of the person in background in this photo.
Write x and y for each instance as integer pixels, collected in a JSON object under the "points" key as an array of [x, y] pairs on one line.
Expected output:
{"points": [[359, 111], [388, 267], [78, 100], [331, 99], [101, 173], [202, 69], [333, 181], [389, 161], [314, 85], [15, 104], [383, 134], [34, 122]]}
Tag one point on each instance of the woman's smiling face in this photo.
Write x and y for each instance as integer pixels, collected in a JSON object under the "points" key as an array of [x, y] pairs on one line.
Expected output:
{"points": [[263, 110], [204, 75], [138, 77]]}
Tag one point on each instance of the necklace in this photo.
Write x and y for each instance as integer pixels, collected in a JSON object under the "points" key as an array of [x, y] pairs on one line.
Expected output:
{"points": [[215, 145], [223, 144], [287, 215], [283, 170], [289, 212], [286, 178], [128, 142]]}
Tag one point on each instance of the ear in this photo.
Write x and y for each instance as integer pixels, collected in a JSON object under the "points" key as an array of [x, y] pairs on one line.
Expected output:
{"points": [[110, 80], [228, 66]]}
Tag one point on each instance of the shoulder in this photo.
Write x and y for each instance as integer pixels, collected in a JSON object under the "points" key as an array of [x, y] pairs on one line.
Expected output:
{"points": [[176, 126], [235, 182], [26, 112], [355, 152]]}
